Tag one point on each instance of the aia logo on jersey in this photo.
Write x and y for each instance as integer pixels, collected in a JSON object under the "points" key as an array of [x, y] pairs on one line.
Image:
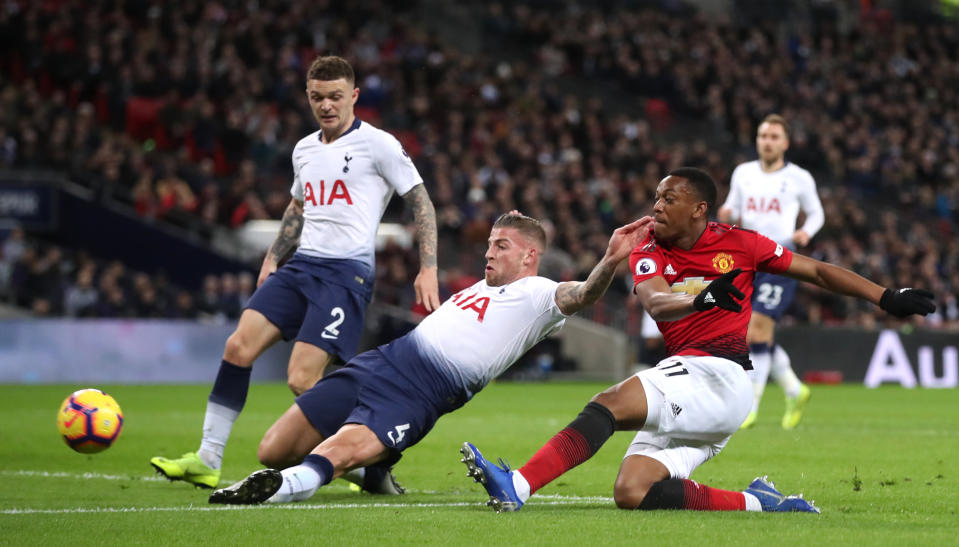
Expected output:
{"points": [[470, 302], [763, 206], [337, 190], [723, 262]]}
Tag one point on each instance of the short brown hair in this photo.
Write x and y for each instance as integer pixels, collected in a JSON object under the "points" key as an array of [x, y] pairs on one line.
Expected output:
{"points": [[777, 119], [531, 228], [330, 68]]}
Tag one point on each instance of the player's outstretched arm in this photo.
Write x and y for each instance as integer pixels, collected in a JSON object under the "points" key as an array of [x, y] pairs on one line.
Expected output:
{"points": [[426, 284], [898, 302], [573, 296], [291, 226]]}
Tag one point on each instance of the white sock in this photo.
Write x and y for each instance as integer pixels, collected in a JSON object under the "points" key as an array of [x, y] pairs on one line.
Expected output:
{"points": [[300, 482], [520, 485], [752, 502], [759, 374], [216, 432], [782, 371]]}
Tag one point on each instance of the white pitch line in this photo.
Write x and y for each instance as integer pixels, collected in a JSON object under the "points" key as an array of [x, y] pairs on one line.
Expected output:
{"points": [[87, 475], [311, 506], [539, 499], [103, 476]]}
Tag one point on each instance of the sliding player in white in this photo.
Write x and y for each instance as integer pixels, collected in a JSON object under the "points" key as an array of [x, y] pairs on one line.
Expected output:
{"points": [[766, 195], [387, 399]]}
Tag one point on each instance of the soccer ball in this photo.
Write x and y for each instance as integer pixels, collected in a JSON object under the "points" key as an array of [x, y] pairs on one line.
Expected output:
{"points": [[89, 420]]}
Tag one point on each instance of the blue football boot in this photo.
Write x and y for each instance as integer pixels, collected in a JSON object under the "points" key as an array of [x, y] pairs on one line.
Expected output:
{"points": [[765, 491], [497, 481], [796, 504]]}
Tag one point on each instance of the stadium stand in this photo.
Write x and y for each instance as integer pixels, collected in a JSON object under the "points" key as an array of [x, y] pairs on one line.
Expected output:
{"points": [[188, 116]]}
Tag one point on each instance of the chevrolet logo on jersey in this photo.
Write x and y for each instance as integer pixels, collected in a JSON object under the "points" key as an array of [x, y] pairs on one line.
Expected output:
{"points": [[690, 285]]}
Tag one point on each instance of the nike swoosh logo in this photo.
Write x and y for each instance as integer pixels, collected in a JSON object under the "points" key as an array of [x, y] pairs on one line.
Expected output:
{"points": [[72, 419]]}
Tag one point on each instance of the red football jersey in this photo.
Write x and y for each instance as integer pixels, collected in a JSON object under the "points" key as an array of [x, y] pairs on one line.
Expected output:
{"points": [[720, 249]]}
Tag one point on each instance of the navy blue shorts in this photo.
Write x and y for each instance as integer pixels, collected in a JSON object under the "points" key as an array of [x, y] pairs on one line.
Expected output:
{"points": [[400, 405], [772, 294], [317, 301]]}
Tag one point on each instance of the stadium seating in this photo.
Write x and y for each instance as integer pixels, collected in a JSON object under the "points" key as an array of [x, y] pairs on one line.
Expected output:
{"points": [[195, 127]]}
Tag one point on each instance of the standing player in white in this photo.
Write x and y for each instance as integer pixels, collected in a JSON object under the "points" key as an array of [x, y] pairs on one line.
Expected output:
{"points": [[387, 399], [766, 195], [343, 178]]}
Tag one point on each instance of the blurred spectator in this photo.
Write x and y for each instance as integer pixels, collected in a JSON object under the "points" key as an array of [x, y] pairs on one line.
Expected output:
{"points": [[80, 299], [230, 302], [208, 302]]}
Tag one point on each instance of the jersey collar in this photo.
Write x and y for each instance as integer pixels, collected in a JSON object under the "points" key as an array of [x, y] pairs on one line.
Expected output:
{"points": [[356, 125]]}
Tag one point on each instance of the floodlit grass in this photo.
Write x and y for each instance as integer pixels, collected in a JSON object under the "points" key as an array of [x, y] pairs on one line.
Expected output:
{"points": [[880, 463]]}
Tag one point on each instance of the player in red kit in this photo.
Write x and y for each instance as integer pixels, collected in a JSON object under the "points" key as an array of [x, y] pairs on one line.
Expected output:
{"points": [[694, 277]]}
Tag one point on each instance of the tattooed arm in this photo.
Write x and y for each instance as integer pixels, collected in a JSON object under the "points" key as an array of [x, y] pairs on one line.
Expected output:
{"points": [[426, 284], [573, 296], [291, 226]]}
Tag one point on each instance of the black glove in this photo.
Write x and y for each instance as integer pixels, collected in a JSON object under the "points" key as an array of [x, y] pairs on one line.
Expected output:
{"points": [[905, 302], [720, 293]]}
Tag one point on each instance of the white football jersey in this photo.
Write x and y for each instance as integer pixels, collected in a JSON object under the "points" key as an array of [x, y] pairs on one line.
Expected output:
{"points": [[769, 203], [481, 331], [345, 187]]}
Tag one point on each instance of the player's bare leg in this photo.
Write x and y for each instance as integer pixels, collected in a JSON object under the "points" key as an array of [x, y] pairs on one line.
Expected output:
{"points": [[288, 440], [759, 336], [637, 474], [353, 446], [306, 366], [644, 483], [622, 406], [253, 335]]}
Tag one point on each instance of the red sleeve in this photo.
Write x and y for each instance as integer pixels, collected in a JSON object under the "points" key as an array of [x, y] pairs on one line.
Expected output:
{"points": [[771, 256], [645, 262]]}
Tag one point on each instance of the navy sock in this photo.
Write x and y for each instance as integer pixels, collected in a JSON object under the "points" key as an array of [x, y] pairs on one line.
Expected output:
{"points": [[760, 349], [231, 386], [322, 466]]}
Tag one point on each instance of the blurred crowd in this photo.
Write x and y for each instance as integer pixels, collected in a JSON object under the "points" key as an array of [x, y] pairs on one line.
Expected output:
{"points": [[52, 281], [190, 115]]}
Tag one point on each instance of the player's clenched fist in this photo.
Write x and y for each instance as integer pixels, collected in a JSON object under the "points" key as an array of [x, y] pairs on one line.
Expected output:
{"points": [[721, 293]]}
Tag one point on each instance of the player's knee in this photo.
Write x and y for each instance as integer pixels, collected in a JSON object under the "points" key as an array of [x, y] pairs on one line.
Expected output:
{"points": [[629, 493], [238, 350], [300, 380], [270, 454], [612, 399], [296, 385]]}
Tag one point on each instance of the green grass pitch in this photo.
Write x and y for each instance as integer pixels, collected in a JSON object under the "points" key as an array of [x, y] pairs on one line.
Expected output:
{"points": [[881, 464]]}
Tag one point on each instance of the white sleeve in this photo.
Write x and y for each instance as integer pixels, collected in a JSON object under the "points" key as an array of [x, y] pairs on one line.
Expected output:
{"points": [[542, 293], [394, 164], [810, 204], [297, 189], [735, 198]]}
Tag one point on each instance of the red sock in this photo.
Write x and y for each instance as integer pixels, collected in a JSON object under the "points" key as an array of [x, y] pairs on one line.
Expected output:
{"points": [[564, 451], [687, 494], [705, 498]]}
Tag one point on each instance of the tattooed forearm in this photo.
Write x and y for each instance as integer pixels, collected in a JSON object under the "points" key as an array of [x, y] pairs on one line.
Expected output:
{"points": [[576, 295], [291, 226], [424, 217]]}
